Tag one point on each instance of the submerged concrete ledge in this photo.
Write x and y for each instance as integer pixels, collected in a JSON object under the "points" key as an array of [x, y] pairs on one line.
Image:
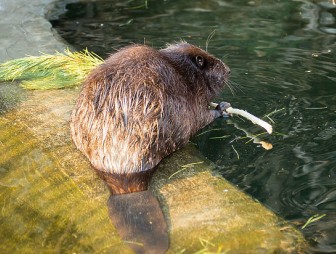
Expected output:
{"points": [[52, 199], [208, 213]]}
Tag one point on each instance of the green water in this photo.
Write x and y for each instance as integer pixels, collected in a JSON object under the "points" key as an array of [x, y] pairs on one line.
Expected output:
{"points": [[283, 57]]}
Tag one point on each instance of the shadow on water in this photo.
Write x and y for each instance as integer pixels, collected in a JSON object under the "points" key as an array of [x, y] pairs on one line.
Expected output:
{"points": [[283, 55]]}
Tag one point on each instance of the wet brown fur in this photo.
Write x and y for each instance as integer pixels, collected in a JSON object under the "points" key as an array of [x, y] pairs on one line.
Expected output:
{"points": [[142, 104]]}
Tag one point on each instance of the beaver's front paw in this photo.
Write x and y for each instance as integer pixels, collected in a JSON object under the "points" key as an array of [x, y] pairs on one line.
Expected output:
{"points": [[222, 107]]}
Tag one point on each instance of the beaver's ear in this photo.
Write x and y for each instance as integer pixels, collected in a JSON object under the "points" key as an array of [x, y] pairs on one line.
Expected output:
{"points": [[200, 61]]}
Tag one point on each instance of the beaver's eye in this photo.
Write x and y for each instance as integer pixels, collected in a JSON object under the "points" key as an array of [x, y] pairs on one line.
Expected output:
{"points": [[200, 61]]}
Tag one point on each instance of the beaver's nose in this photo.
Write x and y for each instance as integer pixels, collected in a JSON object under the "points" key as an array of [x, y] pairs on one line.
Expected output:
{"points": [[227, 69], [220, 66]]}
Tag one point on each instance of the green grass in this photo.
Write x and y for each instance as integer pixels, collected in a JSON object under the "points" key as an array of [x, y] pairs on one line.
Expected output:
{"points": [[47, 71]]}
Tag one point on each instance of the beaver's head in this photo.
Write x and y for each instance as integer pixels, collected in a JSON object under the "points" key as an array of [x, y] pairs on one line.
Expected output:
{"points": [[201, 70]]}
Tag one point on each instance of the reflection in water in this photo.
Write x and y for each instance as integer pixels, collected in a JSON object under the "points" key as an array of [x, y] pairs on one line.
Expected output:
{"points": [[283, 53]]}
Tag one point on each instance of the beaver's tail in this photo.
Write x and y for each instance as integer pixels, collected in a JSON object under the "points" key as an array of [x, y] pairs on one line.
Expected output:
{"points": [[140, 222]]}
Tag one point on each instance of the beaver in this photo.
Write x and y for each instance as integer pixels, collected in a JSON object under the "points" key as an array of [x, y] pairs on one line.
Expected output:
{"points": [[141, 105]]}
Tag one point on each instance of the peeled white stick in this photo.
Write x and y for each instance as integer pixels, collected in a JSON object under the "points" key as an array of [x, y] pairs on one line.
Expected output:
{"points": [[248, 116]]}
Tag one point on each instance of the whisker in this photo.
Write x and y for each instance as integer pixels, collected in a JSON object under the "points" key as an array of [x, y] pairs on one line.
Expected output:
{"points": [[209, 39], [237, 86], [225, 56], [229, 85], [234, 87]]}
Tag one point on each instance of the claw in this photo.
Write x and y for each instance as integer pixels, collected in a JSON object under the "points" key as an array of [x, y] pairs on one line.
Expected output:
{"points": [[222, 107]]}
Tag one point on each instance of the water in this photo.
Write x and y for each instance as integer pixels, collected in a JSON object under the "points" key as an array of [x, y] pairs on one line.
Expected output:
{"points": [[283, 57]]}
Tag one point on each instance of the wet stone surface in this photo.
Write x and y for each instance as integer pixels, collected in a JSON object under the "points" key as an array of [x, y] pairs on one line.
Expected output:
{"points": [[24, 30]]}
